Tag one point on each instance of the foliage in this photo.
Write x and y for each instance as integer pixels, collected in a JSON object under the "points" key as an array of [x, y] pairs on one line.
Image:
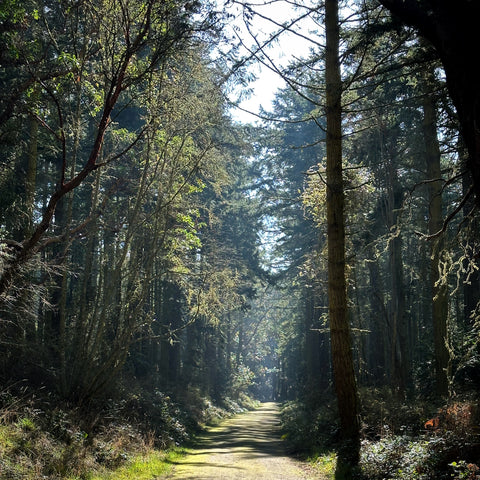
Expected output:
{"points": [[396, 444], [40, 437], [325, 464], [419, 457], [383, 413], [399, 457], [310, 431], [403, 448]]}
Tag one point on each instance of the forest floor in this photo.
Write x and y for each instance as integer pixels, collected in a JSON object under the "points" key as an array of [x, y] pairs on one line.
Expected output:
{"points": [[247, 446]]}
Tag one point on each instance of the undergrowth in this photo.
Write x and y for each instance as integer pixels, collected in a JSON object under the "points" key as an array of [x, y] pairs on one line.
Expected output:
{"points": [[395, 443], [137, 437]]}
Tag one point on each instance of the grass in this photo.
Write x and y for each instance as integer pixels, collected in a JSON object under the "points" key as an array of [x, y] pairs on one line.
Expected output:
{"points": [[26, 453], [37, 444], [142, 467]]}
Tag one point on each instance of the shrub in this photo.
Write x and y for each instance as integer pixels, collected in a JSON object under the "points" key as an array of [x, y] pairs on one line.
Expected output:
{"points": [[308, 430], [442, 455], [384, 413], [395, 457]]}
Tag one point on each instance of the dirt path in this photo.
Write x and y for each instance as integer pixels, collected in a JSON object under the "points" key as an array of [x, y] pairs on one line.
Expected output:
{"points": [[247, 446]]}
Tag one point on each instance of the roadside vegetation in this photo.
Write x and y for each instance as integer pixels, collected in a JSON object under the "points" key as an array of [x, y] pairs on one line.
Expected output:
{"points": [[136, 438], [408, 440], [142, 435]]}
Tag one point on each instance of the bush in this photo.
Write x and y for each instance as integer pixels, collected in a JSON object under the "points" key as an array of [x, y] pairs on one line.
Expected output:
{"points": [[398, 446], [425, 457], [61, 441], [307, 430], [384, 413], [396, 457]]}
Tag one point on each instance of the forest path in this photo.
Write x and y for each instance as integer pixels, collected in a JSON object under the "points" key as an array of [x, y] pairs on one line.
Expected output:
{"points": [[247, 446]]}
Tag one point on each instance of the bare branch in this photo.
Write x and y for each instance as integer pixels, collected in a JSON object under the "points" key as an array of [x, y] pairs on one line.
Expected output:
{"points": [[449, 217]]}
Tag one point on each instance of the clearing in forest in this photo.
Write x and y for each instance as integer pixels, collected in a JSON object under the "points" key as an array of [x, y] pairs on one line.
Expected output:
{"points": [[247, 446]]}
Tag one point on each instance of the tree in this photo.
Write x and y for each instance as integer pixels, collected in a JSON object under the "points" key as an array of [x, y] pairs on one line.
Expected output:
{"points": [[439, 284], [452, 30], [287, 151], [129, 46], [142, 86], [342, 358]]}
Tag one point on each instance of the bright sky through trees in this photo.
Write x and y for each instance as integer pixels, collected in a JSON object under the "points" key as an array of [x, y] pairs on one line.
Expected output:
{"points": [[255, 25]]}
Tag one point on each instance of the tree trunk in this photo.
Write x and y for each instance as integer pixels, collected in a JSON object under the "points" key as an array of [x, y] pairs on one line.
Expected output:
{"points": [[342, 358], [31, 174], [313, 347], [471, 264], [399, 362], [435, 222], [399, 353], [377, 348]]}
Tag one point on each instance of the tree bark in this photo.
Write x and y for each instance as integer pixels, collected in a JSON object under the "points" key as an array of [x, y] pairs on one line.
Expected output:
{"points": [[31, 174], [435, 223], [400, 356], [342, 358]]}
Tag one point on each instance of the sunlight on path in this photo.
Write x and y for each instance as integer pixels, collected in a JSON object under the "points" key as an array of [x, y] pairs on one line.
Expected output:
{"points": [[247, 446]]}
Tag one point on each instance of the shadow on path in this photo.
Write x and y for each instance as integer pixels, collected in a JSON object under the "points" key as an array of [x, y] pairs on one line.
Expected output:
{"points": [[247, 446]]}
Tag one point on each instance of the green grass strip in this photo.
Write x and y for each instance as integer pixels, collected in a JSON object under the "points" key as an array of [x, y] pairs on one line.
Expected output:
{"points": [[142, 467]]}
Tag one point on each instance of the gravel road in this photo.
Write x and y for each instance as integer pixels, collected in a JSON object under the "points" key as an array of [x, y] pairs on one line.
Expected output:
{"points": [[247, 446]]}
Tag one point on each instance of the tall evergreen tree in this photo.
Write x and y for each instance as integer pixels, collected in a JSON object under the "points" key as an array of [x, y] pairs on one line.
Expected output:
{"points": [[342, 357]]}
